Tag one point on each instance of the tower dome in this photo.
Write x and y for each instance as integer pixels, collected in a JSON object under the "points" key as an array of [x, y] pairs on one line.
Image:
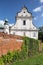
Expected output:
{"points": [[6, 22]]}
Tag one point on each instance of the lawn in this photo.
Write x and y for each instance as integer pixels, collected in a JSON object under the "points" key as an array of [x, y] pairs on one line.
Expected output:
{"points": [[35, 60]]}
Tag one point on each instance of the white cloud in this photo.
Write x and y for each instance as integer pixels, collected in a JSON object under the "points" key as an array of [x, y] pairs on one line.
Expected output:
{"points": [[42, 14], [35, 18], [41, 1], [1, 22], [38, 9], [11, 24]]}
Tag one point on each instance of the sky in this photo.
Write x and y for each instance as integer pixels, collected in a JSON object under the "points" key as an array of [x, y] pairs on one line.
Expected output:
{"points": [[9, 9]]}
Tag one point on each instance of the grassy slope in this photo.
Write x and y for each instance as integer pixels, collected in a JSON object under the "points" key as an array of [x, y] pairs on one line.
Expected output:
{"points": [[35, 60]]}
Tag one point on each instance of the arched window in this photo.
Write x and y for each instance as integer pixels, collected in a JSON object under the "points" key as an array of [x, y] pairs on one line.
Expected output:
{"points": [[24, 22]]}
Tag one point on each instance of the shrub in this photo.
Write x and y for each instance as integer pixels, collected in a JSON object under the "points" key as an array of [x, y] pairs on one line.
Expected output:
{"points": [[16, 55], [10, 56], [1, 61], [31, 45], [24, 48], [4, 57]]}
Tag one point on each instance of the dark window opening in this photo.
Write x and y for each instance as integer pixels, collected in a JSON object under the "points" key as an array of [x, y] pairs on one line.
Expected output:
{"points": [[24, 12], [24, 22]]}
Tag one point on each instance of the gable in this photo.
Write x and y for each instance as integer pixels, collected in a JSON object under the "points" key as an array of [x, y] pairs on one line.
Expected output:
{"points": [[24, 13]]}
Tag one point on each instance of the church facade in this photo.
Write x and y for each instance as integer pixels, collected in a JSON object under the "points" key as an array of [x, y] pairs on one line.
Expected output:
{"points": [[23, 25]]}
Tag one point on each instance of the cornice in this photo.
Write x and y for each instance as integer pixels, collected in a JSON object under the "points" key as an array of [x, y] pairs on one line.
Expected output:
{"points": [[26, 17], [23, 30]]}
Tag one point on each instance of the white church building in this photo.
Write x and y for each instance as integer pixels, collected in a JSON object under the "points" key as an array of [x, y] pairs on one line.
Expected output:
{"points": [[23, 26]]}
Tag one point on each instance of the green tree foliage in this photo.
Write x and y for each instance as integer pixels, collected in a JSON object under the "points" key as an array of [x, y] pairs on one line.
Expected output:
{"points": [[40, 34]]}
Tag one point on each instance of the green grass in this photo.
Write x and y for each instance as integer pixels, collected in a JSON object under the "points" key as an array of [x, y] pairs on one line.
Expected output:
{"points": [[35, 60]]}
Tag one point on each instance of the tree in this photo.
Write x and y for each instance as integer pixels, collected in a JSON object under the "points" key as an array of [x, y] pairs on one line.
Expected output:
{"points": [[40, 34]]}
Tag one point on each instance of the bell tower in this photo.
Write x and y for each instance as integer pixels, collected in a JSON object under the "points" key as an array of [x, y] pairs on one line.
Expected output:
{"points": [[6, 26]]}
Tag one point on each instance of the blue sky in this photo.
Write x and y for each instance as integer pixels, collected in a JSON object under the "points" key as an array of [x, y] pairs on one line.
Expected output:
{"points": [[9, 9]]}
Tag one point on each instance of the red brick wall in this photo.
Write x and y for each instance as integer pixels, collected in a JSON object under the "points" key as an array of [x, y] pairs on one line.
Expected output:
{"points": [[9, 43]]}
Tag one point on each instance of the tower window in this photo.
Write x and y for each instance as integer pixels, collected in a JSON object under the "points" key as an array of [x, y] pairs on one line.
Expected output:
{"points": [[24, 22], [24, 11]]}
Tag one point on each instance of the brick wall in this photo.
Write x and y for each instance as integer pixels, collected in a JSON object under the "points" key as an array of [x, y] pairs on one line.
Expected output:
{"points": [[9, 43]]}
